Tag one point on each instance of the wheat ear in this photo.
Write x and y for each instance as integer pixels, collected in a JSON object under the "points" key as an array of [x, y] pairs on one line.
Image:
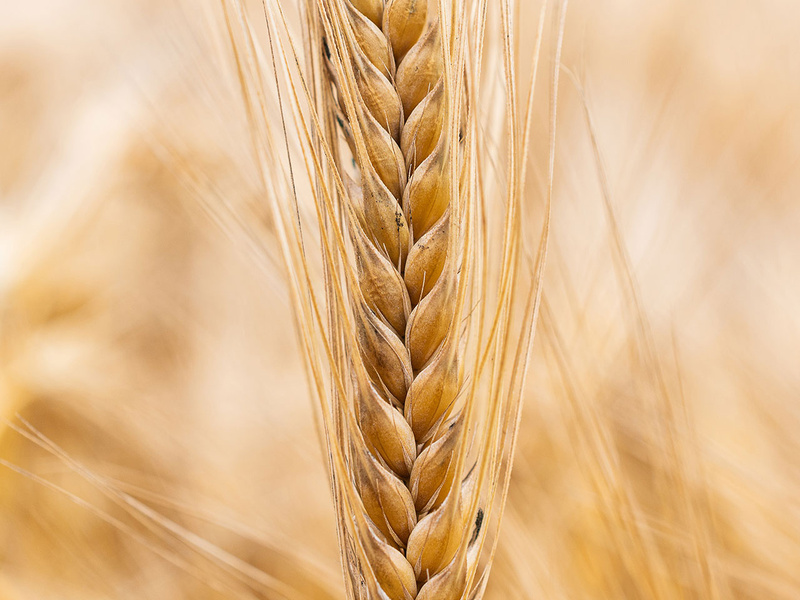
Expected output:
{"points": [[408, 241], [420, 360]]}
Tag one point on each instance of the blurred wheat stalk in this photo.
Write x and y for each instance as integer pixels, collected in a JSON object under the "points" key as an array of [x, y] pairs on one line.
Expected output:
{"points": [[658, 451]]}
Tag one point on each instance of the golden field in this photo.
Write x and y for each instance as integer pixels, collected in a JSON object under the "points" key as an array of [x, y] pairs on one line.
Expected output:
{"points": [[158, 436]]}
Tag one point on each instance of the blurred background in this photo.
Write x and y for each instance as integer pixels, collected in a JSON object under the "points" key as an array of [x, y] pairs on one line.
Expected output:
{"points": [[156, 429]]}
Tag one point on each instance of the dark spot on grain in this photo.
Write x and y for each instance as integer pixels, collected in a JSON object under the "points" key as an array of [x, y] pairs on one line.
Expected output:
{"points": [[478, 525]]}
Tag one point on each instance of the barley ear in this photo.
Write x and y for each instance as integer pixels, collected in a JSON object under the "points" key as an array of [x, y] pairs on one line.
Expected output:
{"points": [[419, 358]]}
